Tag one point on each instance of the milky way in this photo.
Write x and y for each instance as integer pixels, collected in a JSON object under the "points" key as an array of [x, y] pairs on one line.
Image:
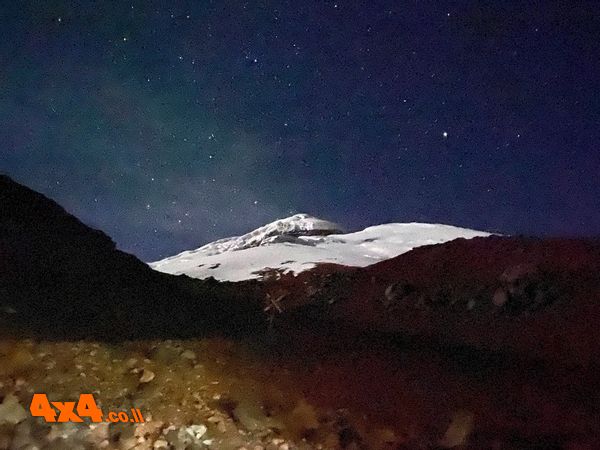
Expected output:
{"points": [[170, 124]]}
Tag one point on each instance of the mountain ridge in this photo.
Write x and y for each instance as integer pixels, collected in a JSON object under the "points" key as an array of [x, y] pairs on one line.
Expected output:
{"points": [[292, 226], [301, 242], [61, 278]]}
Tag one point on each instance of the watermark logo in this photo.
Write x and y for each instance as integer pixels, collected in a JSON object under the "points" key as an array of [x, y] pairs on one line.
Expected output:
{"points": [[85, 407]]}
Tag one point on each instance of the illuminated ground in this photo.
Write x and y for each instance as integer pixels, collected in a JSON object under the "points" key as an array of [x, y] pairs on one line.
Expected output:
{"points": [[276, 395]]}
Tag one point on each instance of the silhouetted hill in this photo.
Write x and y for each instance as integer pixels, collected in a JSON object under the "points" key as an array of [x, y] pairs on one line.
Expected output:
{"points": [[538, 298], [60, 278]]}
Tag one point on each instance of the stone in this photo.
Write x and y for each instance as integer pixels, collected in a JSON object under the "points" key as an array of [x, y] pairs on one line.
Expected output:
{"points": [[196, 431], [304, 417], [188, 354], [147, 376], [500, 297], [160, 443], [11, 411], [458, 431]]}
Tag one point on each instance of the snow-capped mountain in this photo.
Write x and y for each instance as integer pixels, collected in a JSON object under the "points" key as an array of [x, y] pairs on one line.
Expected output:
{"points": [[283, 230], [299, 243]]}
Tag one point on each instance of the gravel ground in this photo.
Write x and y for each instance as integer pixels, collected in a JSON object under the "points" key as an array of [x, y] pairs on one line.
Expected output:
{"points": [[214, 393], [193, 394]]}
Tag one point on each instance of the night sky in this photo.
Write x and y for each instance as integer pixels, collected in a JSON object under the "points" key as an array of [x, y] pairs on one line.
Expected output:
{"points": [[170, 124]]}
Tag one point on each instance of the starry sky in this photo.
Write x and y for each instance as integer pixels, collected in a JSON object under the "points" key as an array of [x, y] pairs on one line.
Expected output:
{"points": [[168, 124]]}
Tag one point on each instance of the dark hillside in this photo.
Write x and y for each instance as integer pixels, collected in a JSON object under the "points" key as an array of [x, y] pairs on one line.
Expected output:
{"points": [[60, 278]]}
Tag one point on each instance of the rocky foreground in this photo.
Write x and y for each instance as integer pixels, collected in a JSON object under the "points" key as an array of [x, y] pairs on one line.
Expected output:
{"points": [[312, 393]]}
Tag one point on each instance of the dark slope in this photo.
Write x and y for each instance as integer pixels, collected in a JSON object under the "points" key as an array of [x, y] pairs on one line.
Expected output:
{"points": [[538, 298], [60, 278]]}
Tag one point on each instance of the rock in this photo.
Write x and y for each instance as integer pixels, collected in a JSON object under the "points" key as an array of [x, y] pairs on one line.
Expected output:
{"points": [[160, 443], [7, 309], [127, 443], [384, 437], [222, 427], [500, 297], [515, 273], [196, 431], [68, 431], [11, 411], [390, 294], [304, 417], [123, 434], [147, 376], [22, 435], [168, 429], [131, 363], [397, 291], [250, 415], [166, 353], [527, 289], [188, 354], [186, 437], [458, 431]]}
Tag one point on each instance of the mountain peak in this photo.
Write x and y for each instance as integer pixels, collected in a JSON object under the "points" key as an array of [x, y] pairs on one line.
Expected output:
{"points": [[281, 230], [300, 242]]}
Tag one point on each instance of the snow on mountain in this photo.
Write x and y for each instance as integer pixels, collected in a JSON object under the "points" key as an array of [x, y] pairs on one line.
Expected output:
{"points": [[288, 228], [299, 243]]}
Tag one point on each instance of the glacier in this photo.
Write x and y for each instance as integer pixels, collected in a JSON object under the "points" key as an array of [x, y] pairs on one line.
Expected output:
{"points": [[299, 243]]}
